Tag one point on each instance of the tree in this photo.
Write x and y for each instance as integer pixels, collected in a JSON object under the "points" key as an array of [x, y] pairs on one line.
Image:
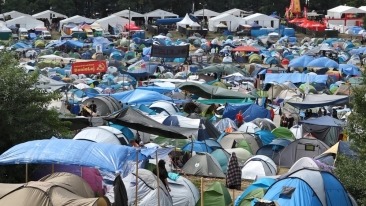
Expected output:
{"points": [[24, 109], [350, 171]]}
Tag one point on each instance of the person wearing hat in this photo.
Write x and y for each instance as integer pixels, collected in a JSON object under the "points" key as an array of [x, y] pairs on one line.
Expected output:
{"points": [[163, 174]]}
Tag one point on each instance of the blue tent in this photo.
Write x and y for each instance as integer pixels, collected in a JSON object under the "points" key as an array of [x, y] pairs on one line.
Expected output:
{"points": [[125, 131], [273, 149], [112, 158], [222, 157], [308, 187], [263, 182], [232, 109], [266, 136], [139, 96], [197, 146], [255, 111], [161, 90], [301, 61], [323, 62], [350, 69]]}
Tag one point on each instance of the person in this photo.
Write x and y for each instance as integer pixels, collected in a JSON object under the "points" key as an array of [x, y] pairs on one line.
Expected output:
{"points": [[290, 121], [62, 64], [271, 111], [335, 114], [163, 174], [284, 120], [325, 111], [239, 119], [93, 107], [320, 112]]}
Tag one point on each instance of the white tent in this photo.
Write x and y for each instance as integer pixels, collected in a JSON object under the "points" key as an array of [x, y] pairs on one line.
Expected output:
{"points": [[128, 13], [13, 14], [206, 12], [232, 22], [164, 107], [236, 12], [362, 8], [184, 192], [187, 21], [262, 20], [27, 22], [47, 15], [158, 13], [102, 134], [112, 20], [258, 166], [75, 19], [339, 10]]}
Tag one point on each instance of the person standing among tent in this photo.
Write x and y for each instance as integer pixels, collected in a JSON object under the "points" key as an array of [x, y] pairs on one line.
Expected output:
{"points": [[93, 107], [239, 119], [233, 175], [163, 174]]}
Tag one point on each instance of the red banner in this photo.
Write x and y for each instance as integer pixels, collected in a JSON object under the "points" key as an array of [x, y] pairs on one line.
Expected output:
{"points": [[89, 67]]}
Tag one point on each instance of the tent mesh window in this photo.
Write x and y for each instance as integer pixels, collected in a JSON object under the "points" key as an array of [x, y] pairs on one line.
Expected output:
{"points": [[309, 147]]}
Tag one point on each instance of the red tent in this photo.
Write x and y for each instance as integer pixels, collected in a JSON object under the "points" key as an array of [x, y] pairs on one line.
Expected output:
{"points": [[245, 49], [285, 62], [132, 27]]}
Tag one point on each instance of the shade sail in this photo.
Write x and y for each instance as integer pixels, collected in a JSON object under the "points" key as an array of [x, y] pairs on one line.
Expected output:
{"points": [[138, 121], [211, 92], [313, 100], [112, 158]]}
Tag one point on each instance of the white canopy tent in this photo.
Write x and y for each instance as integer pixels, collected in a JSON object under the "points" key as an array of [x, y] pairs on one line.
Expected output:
{"points": [[232, 22], [75, 19], [187, 21], [339, 10], [207, 12], [27, 22], [362, 8], [235, 12], [158, 13], [128, 13], [13, 14], [112, 20], [262, 20], [47, 15]]}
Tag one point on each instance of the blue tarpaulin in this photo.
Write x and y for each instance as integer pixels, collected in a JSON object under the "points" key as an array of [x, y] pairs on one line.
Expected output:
{"points": [[301, 61], [112, 158], [295, 78], [139, 96]]}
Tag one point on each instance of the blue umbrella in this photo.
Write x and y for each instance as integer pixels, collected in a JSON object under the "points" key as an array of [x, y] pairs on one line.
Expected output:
{"points": [[323, 62], [349, 69], [197, 146], [301, 61]]}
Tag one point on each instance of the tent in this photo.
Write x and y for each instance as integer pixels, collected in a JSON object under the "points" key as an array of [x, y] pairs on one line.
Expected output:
{"points": [[255, 190], [103, 134], [164, 107], [147, 193], [273, 149], [203, 164], [112, 20], [13, 14], [236, 12], [26, 21], [105, 104], [337, 12], [308, 187], [304, 147], [232, 140], [75, 19], [224, 124], [310, 163], [183, 191], [216, 194], [317, 100], [197, 146], [159, 13], [295, 78], [255, 111], [283, 132], [232, 22], [329, 157], [242, 154], [249, 127], [262, 20], [265, 136], [49, 15], [258, 166], [222, 157], [55, 189], [206, 12], [325, 128], [128, 14], [187, 21], [177, 121], [139, 96], [134, 119]]}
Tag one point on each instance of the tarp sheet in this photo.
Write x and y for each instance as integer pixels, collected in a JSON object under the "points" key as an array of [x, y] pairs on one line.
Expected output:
{"points": [[295, 78], [112, 158], [314, 100], [139, 96]]}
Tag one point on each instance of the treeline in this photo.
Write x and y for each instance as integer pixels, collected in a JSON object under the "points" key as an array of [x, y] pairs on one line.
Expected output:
{"points": [[102, 8]]}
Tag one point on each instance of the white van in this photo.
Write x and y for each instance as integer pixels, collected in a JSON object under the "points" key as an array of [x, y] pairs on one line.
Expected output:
{"points": [[23, 33], [46, 35]]}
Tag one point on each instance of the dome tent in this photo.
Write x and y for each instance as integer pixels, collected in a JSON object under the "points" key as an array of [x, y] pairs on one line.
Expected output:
{"points": [[203, 164], [183, 191], [216, 194], [257, 166], [104, 134]]}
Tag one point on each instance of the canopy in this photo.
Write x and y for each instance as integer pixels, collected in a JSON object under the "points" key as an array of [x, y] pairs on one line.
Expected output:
{"points": [[211, 92], [138, 121], [112, 158], [313, 100]]}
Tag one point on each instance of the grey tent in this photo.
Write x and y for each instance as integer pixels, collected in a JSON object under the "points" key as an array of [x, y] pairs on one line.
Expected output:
{"points": [[304, 147], [203, 164], [316, 100], [183, 192], [106, 105], [325, 128], [232, 140]]}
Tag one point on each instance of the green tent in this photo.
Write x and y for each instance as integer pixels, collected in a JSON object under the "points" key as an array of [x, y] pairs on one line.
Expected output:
{"points": [[256, 193], [244, 144], [216, 195], [284, 133], [39, 44]]}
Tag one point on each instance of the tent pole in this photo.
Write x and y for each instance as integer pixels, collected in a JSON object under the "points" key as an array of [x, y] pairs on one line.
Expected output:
{"points": [[52, 169], [202, 202], [233, 194], [137, 177], [26, 172], [157, 176]]}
